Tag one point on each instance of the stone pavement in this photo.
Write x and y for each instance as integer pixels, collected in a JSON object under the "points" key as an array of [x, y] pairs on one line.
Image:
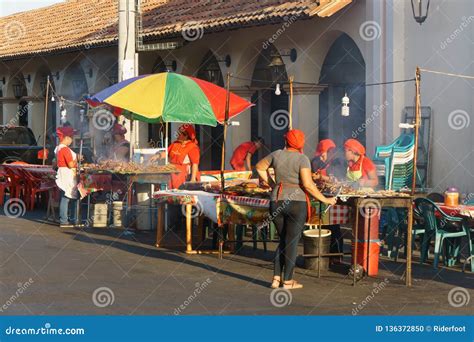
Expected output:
{"points": [[48, 271]]}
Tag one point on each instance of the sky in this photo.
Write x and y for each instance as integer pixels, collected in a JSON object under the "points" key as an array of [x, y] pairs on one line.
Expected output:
{"points": [[8, 7]]}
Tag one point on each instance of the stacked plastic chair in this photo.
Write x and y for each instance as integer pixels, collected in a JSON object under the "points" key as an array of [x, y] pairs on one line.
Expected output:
{"points": [[395, 162]]}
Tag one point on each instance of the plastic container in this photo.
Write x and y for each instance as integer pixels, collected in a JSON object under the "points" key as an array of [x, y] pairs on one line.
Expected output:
{"points": [[99, 215], [368, 243], [117, 212], [311, 246], [451, 197]]}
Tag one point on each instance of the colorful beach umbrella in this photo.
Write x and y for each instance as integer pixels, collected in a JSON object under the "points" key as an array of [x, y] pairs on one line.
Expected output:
{"points": [[170, 97]]}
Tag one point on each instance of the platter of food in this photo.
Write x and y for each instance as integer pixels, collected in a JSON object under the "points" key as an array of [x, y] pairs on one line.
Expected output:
{"points": [[128, 168]]}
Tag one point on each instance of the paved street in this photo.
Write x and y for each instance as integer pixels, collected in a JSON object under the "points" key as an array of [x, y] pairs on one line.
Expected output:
{"points": [[59, 270]]}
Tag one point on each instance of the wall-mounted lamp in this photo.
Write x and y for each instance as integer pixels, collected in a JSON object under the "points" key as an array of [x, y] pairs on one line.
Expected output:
{"points": [[345, 105], [4, 81], [27, 78], [292, 53], [227, 61], [420, 13], [172, 66], [19, 90], [277, 90]]}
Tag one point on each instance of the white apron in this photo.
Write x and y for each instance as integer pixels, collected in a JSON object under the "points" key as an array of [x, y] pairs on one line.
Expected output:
{"points": [[65, 177]]}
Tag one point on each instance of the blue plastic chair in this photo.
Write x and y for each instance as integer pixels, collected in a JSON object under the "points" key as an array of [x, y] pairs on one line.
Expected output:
{"points": [[439, 228]]}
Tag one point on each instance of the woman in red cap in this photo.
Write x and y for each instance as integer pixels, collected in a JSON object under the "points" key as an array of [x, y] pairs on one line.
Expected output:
{"points": [[289, 202], [361, 169], [66, 180], [184, 153], [325, 163], [121, 148]]}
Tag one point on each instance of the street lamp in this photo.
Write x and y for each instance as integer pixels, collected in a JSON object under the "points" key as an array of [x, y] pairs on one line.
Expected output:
{"points": [[417, 8], [18, 90]]}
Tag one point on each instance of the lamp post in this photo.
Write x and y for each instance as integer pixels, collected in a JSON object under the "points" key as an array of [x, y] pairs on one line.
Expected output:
{"points": [[420, 13]]}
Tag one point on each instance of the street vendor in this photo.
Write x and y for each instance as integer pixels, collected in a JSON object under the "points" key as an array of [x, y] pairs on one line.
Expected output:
{"points": [[121, 146], [184, 154], [326, 164], [361, 169], [242, 158], [289, 202], [66, 179]]}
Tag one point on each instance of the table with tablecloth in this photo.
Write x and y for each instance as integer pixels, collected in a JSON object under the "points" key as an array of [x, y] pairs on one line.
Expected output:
{"points": [[461, 210]]}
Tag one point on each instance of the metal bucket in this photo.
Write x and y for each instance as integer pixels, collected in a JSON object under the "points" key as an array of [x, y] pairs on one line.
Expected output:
{"points": [[311, 246]]}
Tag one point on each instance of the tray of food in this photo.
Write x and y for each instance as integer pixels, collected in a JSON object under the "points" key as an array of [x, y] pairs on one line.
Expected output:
{"points": [[128, 168], [247, 189]]}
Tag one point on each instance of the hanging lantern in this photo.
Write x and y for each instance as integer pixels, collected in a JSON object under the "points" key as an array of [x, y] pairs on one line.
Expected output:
{"points": [[420, 10], [345, 105]]}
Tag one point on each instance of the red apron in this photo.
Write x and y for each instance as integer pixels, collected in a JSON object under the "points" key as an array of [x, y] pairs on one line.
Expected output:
{"points": [[290, 185], [178, 156]]}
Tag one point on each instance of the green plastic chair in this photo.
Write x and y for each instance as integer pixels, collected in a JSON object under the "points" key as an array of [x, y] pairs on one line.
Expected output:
{"points": [[439, 229]]}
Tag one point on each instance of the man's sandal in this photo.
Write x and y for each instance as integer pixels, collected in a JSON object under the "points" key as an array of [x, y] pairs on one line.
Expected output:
{"points": [[292, 285], [276, 282]]}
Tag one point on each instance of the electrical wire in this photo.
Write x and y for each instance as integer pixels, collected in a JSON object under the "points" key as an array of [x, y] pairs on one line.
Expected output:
{"points": [[448, 74]]}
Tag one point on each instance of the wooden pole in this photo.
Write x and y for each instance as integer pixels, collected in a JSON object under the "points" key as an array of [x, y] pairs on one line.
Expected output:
{"points": [[290, 111], [226, 119], [417, 126], [45, 127]]}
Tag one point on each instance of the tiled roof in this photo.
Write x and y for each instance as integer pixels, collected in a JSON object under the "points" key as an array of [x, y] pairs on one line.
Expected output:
{"points": [[83, 24]]}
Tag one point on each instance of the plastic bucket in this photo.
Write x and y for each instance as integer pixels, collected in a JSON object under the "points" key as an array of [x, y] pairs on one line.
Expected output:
{"points": [[311, 246], [117, 214], [100, 215]]}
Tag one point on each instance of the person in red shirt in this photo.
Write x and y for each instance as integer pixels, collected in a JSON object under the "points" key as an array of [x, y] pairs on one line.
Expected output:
{"points": [[242, 157], [360, 168], [66, 181], [184, 154]]}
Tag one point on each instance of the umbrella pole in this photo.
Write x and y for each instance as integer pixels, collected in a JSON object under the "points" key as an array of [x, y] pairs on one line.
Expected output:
{"points": [[166, 143], [290, 111], [45, 127], [226, 119]]}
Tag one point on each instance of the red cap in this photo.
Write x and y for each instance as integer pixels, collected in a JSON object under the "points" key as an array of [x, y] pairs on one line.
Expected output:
{"points": [[295, 139], [324, 146], [66, 131], [189, 130], [355, 146], [119, 130]]}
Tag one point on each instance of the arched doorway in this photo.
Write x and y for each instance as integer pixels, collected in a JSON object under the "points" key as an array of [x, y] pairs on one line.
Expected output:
{"points": [[19, 92], [210, 138], [269, 72], [344, 72], [156, 132], [74, 87]]}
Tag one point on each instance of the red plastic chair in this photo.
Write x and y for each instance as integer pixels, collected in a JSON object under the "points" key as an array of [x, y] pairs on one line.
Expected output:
{"points": [[4, 184], [16, 182], [35, 184]]}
